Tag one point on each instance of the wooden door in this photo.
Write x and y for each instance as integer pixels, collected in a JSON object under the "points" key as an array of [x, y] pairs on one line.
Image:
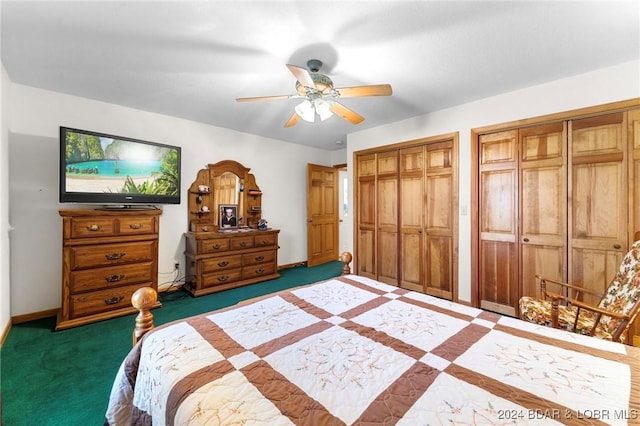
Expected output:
{"points": [[365, 199], [412, 207], [322, 214], [387, 217], [543, 205], [598, 211], [440, 223], [498, 225], [633, 132]]}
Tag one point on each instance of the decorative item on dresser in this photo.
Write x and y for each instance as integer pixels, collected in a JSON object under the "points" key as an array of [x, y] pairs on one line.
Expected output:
{"points": [[106, 256], [217, 257]]}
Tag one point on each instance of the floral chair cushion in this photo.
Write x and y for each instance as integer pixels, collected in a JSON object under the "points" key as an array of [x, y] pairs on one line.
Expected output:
{"points": [[621, 296], [624, 291], [539, 312]]}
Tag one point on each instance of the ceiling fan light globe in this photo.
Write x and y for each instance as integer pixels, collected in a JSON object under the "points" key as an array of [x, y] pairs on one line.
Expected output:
{"points": [[323, 109], [305, 111]]}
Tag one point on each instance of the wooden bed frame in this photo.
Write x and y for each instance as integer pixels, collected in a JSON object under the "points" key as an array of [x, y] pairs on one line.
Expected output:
{"points": [[145, 298]]}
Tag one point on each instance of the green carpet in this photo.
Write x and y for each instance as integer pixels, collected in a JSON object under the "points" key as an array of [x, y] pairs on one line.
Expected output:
{"points": [[65, 377]]}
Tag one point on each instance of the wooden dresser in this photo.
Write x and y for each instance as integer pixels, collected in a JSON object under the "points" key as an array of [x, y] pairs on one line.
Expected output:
{"points": [[219, 257], [219, 261], [107, 255]]}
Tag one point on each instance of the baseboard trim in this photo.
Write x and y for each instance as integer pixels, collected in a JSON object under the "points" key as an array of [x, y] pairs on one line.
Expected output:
{"points": [[18, 319], [5, 333], [293, 265]]}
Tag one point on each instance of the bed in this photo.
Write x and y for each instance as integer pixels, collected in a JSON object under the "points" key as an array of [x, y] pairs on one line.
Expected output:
{"points": [[351, 350]]}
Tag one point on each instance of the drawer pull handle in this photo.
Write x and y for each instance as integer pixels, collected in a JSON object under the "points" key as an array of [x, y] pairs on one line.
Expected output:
{"points": [[114, 278], [113, 300], [216, 246], [265, 242], [205, 228], [222, 264], [223, 278], [135, 226], [243, 243], [525, 239], [94, 228], [259, 271], [259, 258], [114, 256], [617, 246]]}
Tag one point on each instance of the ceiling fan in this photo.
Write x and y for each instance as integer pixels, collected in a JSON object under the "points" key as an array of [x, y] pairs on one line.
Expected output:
{"points": [[320, 97]]}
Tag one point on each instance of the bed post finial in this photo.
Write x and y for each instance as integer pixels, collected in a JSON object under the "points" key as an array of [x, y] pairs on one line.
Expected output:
{"points": [[346, 258], [143, 299]]}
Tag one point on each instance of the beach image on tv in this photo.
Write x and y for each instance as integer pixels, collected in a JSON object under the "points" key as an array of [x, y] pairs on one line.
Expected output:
{"points": [[101, 164]]}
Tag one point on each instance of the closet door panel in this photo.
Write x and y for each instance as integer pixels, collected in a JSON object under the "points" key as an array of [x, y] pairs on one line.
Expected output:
{"points": [[387, 217], [633, 127], [412, 208], [366, 216], [498, 183], [440, 272], [499, 290], [633, 132], [598, 211], [440, 220], [543, 206]]}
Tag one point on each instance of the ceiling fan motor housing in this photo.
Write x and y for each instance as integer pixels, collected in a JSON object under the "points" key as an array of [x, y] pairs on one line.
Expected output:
{"points": [[314, 65]]}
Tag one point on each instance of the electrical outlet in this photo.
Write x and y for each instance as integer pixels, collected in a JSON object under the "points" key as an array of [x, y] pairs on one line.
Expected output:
{"points": [[176, 265]]}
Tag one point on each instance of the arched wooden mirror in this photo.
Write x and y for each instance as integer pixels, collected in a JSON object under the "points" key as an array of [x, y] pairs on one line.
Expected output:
{"points": [[226, 183]]}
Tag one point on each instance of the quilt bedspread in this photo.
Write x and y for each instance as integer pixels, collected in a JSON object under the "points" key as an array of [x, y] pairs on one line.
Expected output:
{"points": [[351, 350]]}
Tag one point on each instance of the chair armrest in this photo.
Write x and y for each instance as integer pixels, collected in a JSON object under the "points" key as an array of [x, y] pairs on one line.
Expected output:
{"points": [[566, 285], [597, 310]]}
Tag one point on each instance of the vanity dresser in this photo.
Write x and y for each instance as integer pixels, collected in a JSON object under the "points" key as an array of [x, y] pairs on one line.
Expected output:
{"points": [[219, 257], [106, 256]]}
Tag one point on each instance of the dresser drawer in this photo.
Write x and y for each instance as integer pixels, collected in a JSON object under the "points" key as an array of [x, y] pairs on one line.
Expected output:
{"points": [[222, 262], [84, 227], [213, 245], [111, 254], [221, 278], [255, 271], [259, 257], [110, 276], [244, 242], [137, 225], [266, 240], [102, 301]]}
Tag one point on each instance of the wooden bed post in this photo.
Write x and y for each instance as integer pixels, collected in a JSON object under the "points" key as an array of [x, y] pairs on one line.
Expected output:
{"points": [[143, 300], [346, 258]]}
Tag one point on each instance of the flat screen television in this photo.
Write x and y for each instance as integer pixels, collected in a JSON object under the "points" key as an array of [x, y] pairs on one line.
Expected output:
{"points": [[116, 171]]}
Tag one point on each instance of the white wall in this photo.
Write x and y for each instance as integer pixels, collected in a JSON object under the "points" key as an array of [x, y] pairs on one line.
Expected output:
{"points": [[5, 289], [279, 168], [599, 87]]}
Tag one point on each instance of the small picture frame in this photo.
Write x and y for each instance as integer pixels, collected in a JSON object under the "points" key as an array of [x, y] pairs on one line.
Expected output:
{"points": [[228, 216]]}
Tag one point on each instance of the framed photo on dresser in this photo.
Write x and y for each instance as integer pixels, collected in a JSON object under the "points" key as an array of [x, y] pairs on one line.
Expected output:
{"points": [[228, 216]]}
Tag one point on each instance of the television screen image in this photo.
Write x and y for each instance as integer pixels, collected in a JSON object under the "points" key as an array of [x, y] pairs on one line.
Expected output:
{"points": [[107, 169]]}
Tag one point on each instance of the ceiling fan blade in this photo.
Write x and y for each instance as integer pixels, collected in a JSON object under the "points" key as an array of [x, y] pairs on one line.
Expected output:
{"points": [[374, 90], [293, 120], [265, 98], [302, 75], [346, 113]]}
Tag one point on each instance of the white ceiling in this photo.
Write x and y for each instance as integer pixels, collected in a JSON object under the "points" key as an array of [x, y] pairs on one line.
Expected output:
{"points": [[192, 59]]}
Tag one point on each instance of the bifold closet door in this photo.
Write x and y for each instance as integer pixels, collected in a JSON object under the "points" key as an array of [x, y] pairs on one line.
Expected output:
{"points": [[440, 196], [543, 205], [387, 217], [413, 205], [366, 216], [598, 211], [498, 213]]}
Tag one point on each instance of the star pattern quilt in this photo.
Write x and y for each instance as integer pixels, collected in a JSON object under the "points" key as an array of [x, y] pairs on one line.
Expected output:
{"points": [[354, 351]]}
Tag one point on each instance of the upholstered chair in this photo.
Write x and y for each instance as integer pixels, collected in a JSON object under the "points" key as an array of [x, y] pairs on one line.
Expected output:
{"points": [[608, 320]]}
